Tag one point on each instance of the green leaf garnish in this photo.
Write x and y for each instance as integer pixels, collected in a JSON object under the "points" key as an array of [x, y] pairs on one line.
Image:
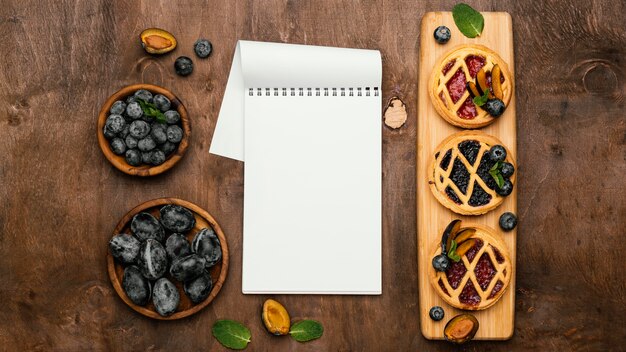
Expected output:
{"points": [[495, 172], [306, 330], [231, 334], [469, 21], [452, 252], [480, 101], [151, 111]]}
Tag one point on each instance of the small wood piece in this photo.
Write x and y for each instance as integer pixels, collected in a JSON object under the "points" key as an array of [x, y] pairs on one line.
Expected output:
{"points": [[395, 114], [118, 160], [218, 272]]}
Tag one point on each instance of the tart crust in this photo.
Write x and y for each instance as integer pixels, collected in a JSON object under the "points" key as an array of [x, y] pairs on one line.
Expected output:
{"points": [[438, 80], [503, 274], [440, 179]]}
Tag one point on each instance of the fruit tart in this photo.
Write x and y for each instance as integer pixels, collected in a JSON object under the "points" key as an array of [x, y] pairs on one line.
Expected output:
{"points": [[471, 86], [471, 173], [471, 266]]}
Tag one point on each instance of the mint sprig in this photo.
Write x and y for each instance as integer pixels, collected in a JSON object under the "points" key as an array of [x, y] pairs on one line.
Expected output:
{"points": [[452, 252], [151, 111], [496, 173], [482, 100], [469, 21]]}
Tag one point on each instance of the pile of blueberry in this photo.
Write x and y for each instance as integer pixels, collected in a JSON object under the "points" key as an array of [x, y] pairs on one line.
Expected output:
{"points": [[158, 247], [143, 139]]}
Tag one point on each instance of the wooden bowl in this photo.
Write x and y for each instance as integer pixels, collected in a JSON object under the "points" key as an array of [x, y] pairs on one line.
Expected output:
{"points": [[218, 272], [118, 160]]}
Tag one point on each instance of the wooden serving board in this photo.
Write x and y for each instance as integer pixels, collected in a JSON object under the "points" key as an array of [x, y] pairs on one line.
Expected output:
{"points": [[496, 322]]}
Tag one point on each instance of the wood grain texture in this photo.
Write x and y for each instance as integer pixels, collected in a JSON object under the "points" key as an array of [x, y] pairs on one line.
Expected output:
{"points": [[218, 272], [60, 197], [119, 161], [496, 323]]}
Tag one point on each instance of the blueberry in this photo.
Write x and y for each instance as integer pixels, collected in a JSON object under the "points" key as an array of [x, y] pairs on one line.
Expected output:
{"points": [[507, 169], [144, 95], [161, 102], [174, 133], [494, 107], [203, 48], [131, 142], [145, 226], [207, 244], [115, 123], [183, 66], [118, 107], [159, 132], [165, 297], [176, 218], [506, 188], [130, 99], [139, 129], [157, 157], [118, 146], [172, 116], [133, 157], [146, 144], [108, 133], [168, 147], [199, 288], [177, 246], [441, 262], [136, 286], [436, 313], [508, 221], [124, 132], [134, 111], [497, 153], [152, 259], [124, 248], [187, 268], [442, 34], [146, 157]]}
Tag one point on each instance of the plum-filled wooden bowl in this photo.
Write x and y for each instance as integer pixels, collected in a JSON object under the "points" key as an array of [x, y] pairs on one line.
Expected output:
{"points": [[217, 272], [167, 156]]}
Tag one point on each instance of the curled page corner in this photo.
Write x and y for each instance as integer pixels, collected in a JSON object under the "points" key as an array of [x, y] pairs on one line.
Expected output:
{"points": [[262, 65]]}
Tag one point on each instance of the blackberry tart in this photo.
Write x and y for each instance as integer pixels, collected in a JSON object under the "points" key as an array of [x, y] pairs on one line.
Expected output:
{"points": [[481, 273], [465, 177], [461, 75]]}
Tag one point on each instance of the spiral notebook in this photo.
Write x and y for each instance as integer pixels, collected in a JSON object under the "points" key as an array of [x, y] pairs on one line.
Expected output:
{"points": [[306, 122]]}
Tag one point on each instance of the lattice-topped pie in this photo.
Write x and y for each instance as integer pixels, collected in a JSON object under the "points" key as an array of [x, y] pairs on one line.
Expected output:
{"points": [[449, 85], [461, 173], [480, 277]]}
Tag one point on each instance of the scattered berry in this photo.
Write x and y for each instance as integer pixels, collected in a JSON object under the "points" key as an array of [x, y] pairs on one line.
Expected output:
{"points": [[497, 153], [436, 313], [507, 169], [494, 107], [183, 66], [442, 34], [508, 221], [203, 48], [441, 262]]}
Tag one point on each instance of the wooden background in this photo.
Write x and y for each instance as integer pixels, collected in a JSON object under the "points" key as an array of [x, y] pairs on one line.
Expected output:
{"points": [[60, 199]]}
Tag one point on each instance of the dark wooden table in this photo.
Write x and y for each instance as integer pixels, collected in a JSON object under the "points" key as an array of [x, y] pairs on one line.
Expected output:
{"points": [[60, 198]]}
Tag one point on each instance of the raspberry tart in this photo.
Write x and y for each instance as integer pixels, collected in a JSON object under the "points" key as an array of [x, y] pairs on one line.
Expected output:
{"points": [[464, 73], [471, 173], [483, 270]]}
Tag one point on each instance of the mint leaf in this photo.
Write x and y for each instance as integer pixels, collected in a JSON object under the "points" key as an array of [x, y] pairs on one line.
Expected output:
{"points": [[500, 180], [306, 330], [231, 334], [151, 111], [480, 101], [469, 21], [495, 172], [452, 252]]}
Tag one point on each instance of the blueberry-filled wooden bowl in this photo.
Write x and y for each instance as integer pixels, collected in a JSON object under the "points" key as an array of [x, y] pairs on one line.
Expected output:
{"points": [[164, 158], [217, 272]]}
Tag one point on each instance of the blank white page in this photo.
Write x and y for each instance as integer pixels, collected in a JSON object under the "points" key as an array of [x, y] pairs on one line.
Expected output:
{"points": [[312, 203]]}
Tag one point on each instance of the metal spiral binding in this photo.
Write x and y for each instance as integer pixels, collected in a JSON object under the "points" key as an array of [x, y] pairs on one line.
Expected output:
{"points": [[309, 92]]}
